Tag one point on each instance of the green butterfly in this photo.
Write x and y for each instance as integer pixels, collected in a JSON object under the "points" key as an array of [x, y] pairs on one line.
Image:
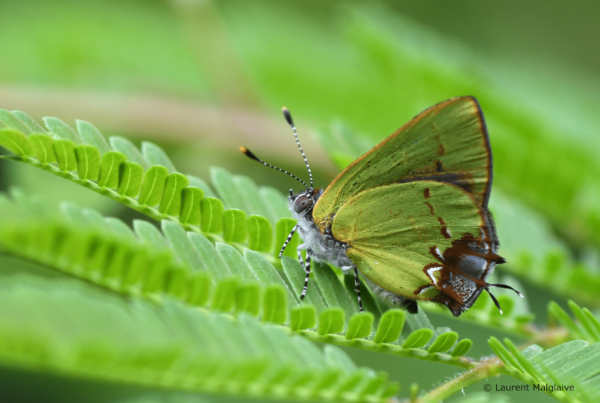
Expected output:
{"points": [[410, 214]]}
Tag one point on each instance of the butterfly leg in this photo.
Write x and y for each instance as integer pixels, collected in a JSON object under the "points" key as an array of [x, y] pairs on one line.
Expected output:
{"points": [[307, 270], [300, 259], [357, 289], [289, 238], [345, 270]]}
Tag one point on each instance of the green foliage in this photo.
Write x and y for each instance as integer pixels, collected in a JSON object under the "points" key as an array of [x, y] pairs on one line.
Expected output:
{"points": [[360, 326], [371, 67], [462, 348], [109, 169], [153, 187], [586, 326], [65, 155], [390, 326], [260, 233], [15, 142], [303, 317], [88, 132], [170, 203], [142, 185], [331, 321], [247, 299], [483, 397], [211, 213], [443, 343], [190, 206], [221, 254], [13, 121], [296, 275], [418, 339], [234, 226], [282, 230], [42, 146], [130, 179], [572, 364], [187, 267], [61, 130], [274, 304], [170, 346], [88, 161]]}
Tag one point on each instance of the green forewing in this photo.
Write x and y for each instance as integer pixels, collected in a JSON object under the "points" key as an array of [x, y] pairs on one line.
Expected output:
{"points": [[390, 230], [446, 143]]}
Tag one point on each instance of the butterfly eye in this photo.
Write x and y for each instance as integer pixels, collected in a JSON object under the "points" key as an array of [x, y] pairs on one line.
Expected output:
{"points": [[301, 203]]}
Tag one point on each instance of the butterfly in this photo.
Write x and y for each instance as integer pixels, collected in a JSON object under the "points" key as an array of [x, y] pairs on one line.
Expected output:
{"points": [[410, 215]]}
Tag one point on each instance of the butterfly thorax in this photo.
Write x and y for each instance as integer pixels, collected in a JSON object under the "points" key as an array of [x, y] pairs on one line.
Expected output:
{"points": [[324, 246]]}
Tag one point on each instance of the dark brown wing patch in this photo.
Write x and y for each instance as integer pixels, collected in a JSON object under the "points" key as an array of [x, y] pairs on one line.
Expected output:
{"points": [[463, 180], [460, 272]]}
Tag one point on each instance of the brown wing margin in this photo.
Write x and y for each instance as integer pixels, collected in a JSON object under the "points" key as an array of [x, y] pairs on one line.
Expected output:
{"points": [[488, 145]]}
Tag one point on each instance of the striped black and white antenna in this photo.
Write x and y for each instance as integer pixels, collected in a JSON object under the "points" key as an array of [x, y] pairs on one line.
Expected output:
{"points": [[250, 154], [288, 118]]}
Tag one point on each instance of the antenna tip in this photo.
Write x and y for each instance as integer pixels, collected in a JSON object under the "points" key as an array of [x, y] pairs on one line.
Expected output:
{"points": [[501, 313], [249, 153], [288, 116]]}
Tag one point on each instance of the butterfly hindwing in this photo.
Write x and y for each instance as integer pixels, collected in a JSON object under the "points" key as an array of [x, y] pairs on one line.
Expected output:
{"points": [[446, 143], [408, 238]]}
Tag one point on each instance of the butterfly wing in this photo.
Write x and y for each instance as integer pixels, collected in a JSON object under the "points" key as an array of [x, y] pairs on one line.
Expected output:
{"points": [[446, 143], [422, 240]]}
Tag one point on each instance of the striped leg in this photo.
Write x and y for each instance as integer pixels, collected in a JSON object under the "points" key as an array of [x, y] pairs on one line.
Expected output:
{"points": [[357, 289], [307, 270], [289, 238], [300, 257]]}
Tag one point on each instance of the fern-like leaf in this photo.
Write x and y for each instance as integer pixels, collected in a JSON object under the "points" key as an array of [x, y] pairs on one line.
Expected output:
{"points": [[92, 335], [586, 325], [186, 266], [566, 372]]}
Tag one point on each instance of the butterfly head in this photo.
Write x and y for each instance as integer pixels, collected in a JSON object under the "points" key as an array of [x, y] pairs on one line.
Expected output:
{"points": [[301, 204]]}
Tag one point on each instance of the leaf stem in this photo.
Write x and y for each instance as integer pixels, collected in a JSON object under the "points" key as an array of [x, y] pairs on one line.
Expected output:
{"points": [[394, 349], [484, 370]]}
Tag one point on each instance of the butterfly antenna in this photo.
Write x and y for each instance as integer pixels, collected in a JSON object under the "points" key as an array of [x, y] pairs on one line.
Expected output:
{"points": [[507, 287], [251, 155], [495, 301], [288, 118]]}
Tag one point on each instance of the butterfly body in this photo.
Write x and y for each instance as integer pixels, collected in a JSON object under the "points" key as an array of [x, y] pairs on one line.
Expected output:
{"points": [[323, 245], [410, 214]]}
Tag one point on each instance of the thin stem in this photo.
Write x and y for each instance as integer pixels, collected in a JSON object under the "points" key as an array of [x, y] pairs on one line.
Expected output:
{"points": [[485, 370], [394, 349]]}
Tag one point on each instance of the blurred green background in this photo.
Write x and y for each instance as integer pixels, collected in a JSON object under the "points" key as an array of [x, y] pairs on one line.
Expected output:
{"points": [[201, 78]]}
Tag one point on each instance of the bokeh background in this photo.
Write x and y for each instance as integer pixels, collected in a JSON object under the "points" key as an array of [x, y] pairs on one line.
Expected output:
{"points": [[201, 78]]}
